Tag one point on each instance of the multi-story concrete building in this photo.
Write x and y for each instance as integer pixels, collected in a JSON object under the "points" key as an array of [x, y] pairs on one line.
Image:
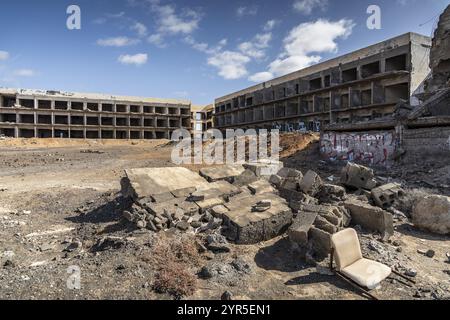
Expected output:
{"points": [[55, 114], [360, 86], [202, 118]]}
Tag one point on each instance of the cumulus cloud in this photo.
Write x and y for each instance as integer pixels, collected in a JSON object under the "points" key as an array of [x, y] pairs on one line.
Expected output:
{"points": [[255, 47], [4, 55], [156, 40], [117, 42], [140, 29], [304, 44], [307, 6], [24, 73], [231, 64], [270, 25], [137, 59]]}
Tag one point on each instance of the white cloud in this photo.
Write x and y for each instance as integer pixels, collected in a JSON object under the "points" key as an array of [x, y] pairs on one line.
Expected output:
{"points": [[137, 59], [140, 29], [270, 25], [303, 45], [157, 40], [261, 76], [307, 6], [171, 22], [231, 64], [117, 42], [4, 55], [255, 47], [246, 11], [24, 73], [204, 47]]}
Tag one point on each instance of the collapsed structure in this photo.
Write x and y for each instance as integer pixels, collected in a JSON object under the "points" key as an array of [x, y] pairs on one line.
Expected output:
{"points": [[55, 114]]}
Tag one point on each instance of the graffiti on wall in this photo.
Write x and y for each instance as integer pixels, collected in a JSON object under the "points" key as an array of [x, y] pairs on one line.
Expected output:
{"points": [[371, 148]]}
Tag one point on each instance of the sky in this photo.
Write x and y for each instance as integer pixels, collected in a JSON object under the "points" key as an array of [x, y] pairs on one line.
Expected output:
{"points": [[197, 50]]}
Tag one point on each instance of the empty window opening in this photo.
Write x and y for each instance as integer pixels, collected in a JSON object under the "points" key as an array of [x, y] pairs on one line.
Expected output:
{"points": [[148, 135], [107, 121], [11, 133], [135, 135], [249, 101], [61, 134], [121, 108], [26, 133], [161, 135], [297, 88], [396, 63], [184, 111], [135, 122], [92, 121], [148, 109], [122, 135], [370, 69], [161, 123], [92, 135], [174, 111], [77, 134], [345, 101], [43, 119], [92, 106], [61, 105], [174, 123], [44, 104], [27, 118], [327, 81], [27, 103], [8, 117], [107, 134], [44, 133], [107, 107], [135, 109], [350, 75], [61, 120], [186, 123], [326, 104], [77, 106], [160, 110], [315, 84], [366, 97], [9, 102], [121, 122], [396, 92], [77, 120]]}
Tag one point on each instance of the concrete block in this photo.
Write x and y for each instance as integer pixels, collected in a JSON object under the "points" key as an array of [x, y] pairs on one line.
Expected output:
{"points": [[227, 172], [357, 176], [260, 186], [385, 196], [290, 173], [298, 231], [265, 168], [432, 213], [311, 183], [320, 241]]}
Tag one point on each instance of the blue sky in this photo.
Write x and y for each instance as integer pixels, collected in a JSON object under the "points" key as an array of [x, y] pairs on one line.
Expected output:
{"points": [[197, 49]]}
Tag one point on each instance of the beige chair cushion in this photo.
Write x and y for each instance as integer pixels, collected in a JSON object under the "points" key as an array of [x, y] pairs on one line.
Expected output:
{"points": [[347, 248], [367, 273]]}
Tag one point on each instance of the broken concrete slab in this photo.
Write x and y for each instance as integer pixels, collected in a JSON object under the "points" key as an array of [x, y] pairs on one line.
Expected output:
{"points": [[432, 213], [218, 211], [226, 172], [162, 197], [320, 241], [276, 180], [289, 173], [260, 186], [264, 168], [247, 227], [183, 193], [358, 176], [311, 183], [248, 176], [330, 193], [298, 231], [145, 182], [386, 195], [370, 217]]}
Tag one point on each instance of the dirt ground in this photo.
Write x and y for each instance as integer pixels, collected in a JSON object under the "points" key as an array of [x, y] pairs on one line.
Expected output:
{"points": [[54, 194]]}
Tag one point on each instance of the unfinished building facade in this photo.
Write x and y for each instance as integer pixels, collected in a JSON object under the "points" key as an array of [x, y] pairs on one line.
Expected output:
{"points": [[55, 114], [202, 118], [364, 85]]}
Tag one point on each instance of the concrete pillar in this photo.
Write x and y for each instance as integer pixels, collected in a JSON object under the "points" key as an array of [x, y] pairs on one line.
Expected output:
{"points": [[35, 103], [52, 104], [16, 131]]}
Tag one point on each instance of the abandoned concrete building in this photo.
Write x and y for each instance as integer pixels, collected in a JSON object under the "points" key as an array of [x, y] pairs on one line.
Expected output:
{"points": [[364, 85], [55, 114], [202, 118]]}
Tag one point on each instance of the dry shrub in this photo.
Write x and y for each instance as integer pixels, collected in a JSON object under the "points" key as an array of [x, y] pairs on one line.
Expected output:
{"points": [[174, 259]]}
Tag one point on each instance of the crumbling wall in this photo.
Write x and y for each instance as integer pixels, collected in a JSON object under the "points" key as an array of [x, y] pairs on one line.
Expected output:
{"points": [[374, 148], [423, 143]]}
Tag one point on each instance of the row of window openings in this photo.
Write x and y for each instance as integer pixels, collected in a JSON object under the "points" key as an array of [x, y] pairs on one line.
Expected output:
{"points": [[397, 63], [29, 119]]}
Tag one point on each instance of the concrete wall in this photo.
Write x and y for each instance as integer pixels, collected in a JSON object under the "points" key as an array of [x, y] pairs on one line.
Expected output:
{"points": [[373, 148], [424, 143]]}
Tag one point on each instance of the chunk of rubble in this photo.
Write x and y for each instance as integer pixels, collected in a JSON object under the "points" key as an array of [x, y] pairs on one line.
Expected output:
{"points": [[370, 217], [247, 227], [260, 186], [146, 182], [432, 213], [329, 193], [264, 167], [247, 177], [298, 231], [227, 172], [311, 183], [262, 206], [358, 176], [385, 196], [218, 211]]}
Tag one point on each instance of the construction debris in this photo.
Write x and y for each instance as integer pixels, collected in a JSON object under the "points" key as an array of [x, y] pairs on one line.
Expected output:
{"points": [[385, 196], [357, 176], [432, 213]]}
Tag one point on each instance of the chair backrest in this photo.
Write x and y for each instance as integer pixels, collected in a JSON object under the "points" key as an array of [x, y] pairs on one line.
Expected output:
{"points": [[347, 249]]}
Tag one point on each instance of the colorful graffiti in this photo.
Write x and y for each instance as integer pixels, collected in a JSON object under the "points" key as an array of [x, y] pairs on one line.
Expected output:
{"points": [[376, 148]]}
